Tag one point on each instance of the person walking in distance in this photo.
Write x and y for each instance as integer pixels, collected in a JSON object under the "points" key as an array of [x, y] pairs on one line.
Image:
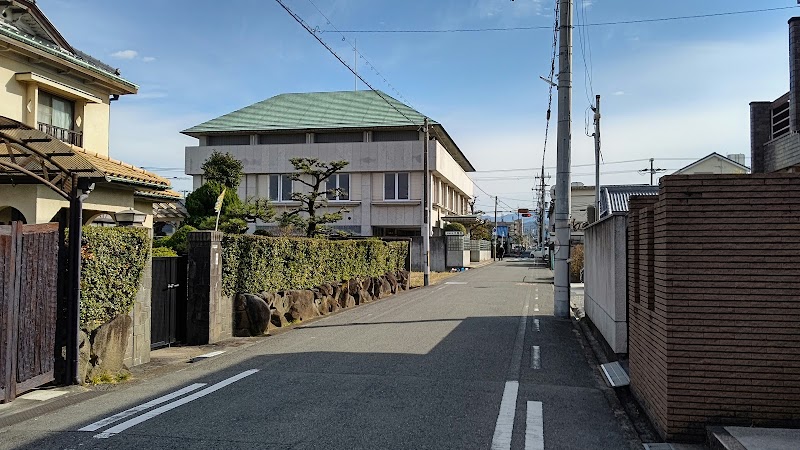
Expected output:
{"points": [[501, 251]]}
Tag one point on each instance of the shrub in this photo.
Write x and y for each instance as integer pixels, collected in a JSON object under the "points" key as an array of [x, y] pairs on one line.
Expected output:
{"points": [[163, 251], [575, 266], [113, 260], [455, 227], [256, 263]]}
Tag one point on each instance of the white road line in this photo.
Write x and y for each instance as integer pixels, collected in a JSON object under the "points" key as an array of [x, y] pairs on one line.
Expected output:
{"points": [[169, 406], [505, 420], [536, 325], [535, 308], [534, 427], [536, 357], [136, 409]]}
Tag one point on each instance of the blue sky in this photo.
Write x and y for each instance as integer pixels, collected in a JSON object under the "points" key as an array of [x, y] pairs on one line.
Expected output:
{"points": [[673, 89]]}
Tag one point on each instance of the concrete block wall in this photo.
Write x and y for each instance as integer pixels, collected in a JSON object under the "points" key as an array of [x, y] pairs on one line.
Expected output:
{"points": [[137, 351], [209, 313], [717, 339]]}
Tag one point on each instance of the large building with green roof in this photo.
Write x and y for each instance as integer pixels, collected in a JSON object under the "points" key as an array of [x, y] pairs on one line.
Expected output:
{"points": [[381, 138]]}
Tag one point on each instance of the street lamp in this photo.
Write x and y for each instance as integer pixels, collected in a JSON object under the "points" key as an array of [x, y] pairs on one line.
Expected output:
{"points": [[130, 218]]}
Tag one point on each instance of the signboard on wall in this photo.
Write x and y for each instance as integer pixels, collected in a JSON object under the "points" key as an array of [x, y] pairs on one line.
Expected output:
{"points": [[502, 230]]}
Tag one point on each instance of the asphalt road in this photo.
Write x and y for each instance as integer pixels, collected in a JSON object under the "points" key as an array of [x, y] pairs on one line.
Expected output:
{"points": [[476, 363]]}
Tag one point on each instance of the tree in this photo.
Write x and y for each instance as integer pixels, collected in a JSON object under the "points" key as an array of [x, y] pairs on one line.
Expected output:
{"points": [[482, 230], [454, 226], [310, 202], [224, 169]]}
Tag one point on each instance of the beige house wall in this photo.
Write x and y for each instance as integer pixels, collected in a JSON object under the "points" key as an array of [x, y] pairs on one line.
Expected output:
{"points": [[18, 100], [713, 166]]}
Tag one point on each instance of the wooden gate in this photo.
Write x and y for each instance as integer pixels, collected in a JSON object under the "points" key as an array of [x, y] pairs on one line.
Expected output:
{"points": [[168, 301], [28, 296]]}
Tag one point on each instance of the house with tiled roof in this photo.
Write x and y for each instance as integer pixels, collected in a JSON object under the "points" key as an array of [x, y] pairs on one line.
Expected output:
{"points": [[55, 106], [379, 136]]}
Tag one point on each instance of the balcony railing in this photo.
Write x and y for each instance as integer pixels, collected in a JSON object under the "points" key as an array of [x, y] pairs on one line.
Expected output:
{"points": [[62, 134]]}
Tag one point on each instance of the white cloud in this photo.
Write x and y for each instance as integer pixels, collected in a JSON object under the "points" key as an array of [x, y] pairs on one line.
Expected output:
{"points": [[148, 59], [619, 93], [125, 54]]}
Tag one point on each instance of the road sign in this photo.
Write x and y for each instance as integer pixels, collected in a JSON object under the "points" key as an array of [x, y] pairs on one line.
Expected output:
{"points": [[523, 210]]}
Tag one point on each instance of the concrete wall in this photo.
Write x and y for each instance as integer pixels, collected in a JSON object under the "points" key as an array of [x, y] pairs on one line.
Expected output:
{"points": [[209, 313], [17, 97], [438, 257], [781, 153], [713, 305], [138, 349], [605, 279]]}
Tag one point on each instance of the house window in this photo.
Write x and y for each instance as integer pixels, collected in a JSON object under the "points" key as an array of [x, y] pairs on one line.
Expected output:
{"points": [[56, 116], [341, 136], [395, 186], [395, 136], [339, 181], [292, 138], [229, 139], [281, 188]]}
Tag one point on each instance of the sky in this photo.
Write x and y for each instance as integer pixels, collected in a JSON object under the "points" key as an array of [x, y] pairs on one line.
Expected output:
{"points": [[673, 90]]}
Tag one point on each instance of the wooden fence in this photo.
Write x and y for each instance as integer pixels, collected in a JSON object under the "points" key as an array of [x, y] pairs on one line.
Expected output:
{"points": [[28, 296]]}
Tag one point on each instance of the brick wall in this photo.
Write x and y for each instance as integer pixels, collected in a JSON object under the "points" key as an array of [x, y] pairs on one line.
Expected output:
{"points": [[717, 338]]}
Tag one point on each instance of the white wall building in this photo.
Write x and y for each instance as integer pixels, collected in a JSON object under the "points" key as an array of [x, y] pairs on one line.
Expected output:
{"points": [[380, 137]]}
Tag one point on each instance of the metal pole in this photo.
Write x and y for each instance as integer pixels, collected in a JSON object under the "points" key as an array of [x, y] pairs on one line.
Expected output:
{"points": [[426, 226], [494, 235], [652, 171], [597, 156], [564, 158]]}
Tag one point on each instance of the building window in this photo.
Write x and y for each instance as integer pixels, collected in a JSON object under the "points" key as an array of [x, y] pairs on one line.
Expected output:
{"points": [[338, 181], [56, 116], [340, 136], [281, 188], [229, 139], [395, 136], [291, 138], [395, 186]]}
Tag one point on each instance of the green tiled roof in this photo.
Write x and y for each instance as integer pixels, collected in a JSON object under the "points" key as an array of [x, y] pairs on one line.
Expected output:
{"points": [[317, 110]]}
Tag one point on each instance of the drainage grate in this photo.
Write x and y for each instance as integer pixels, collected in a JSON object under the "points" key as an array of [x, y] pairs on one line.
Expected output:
{"points": [[615, 374]]}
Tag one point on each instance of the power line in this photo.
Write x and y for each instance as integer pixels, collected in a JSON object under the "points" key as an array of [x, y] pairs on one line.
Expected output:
{"points": [[585, 25], [310, 31]]}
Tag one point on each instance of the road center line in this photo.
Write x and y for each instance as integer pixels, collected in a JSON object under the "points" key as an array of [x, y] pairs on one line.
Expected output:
{"points": [[536, 357], [536, 325], [169, 406], [144, 406], [534, 427]]}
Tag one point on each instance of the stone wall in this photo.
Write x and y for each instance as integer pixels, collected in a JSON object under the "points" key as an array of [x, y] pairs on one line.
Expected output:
{"points": [[714, 311], [138, 348], [208, 312]]}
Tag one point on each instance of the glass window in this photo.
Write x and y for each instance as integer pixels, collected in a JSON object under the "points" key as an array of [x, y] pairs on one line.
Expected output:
{"points": [[395, 136], [229, 139], [56, 111], [286, 187], [273, 187], [389, 186], [402, 186], [291, 138], [340, 181], [344, 185], [339, 136]]}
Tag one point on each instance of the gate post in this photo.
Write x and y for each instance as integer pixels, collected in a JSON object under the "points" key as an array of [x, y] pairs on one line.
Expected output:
{"points": [[209, 314]]}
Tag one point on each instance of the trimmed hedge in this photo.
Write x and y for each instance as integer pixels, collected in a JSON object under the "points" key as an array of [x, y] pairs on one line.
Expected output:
{"points": [[258, 263], [112, 262]]}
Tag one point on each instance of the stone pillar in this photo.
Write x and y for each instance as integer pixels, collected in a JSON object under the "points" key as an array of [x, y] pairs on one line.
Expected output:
{"points": [[209, 313], [760, 133], [794, 74]]}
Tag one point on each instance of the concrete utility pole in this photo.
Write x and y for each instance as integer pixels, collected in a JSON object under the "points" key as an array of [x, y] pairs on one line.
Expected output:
{"points": [[426, 207], [494, 234], [652, 171], [564, 161], [542, 193], [596, 135]]}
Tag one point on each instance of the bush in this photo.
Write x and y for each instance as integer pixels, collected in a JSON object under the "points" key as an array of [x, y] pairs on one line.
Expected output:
{"points": [[178, 241], [112, 262], [455, 227], [163, 251], [256, 263], [576, 265], [200, 203]]}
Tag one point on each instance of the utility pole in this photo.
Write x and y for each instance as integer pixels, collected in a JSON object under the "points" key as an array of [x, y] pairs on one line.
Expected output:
{"points": [[652, 171], [564, 161], [542, 191], [494, 234], [596, 135], [426, 213], [355, 65]]}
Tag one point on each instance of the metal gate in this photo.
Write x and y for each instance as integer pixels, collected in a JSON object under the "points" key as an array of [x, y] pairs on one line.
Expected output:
{"points": [[168, 301], [28, 296]]}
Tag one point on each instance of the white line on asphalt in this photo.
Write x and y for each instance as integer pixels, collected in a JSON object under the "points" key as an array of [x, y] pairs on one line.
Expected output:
{"points": [[441, 288], [136, 409], [534, 427], [455, 282], [505, 420], [536, 357], [535, 308], [169, 406], [536, 324]]}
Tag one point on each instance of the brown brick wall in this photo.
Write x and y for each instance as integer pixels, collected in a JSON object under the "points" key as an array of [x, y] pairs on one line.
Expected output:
{"points": [[721, 343]]}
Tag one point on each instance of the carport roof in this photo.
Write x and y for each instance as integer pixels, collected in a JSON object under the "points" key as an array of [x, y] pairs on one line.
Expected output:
{"points": [[28, 155]]}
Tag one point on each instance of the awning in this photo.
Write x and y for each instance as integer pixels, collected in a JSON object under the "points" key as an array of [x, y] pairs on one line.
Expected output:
{"points": [[28, 155]]}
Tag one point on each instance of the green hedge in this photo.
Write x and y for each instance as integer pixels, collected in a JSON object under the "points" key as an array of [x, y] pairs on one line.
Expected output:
{"points": [[257, 263], [113, 260]]}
